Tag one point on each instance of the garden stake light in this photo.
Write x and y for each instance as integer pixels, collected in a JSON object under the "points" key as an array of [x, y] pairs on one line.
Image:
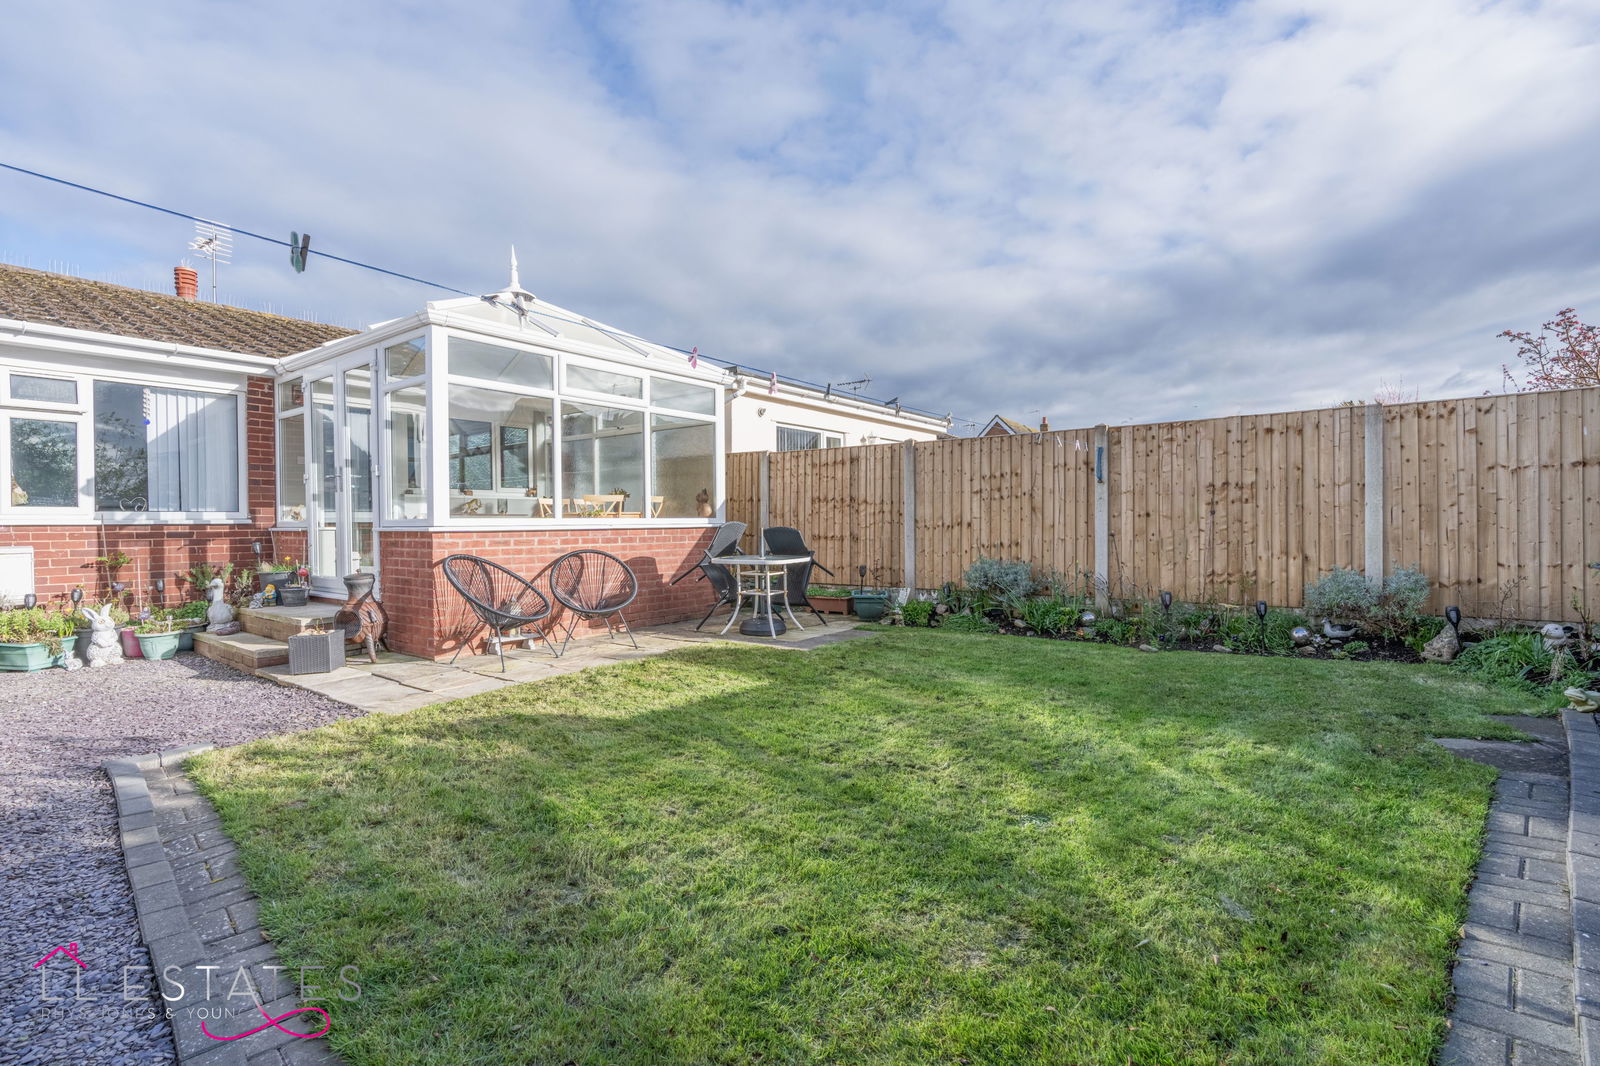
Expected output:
{"points": [[1452, 614], [1261, 613], [29, 600]]}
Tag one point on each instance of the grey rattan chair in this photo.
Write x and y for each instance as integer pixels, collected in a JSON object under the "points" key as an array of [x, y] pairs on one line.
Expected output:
{"points": [[783, 540], [502, 601], [593, 584]]}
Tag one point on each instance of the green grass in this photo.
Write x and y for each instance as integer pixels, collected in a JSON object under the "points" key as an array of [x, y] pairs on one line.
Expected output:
{"points": [[923, 848]]}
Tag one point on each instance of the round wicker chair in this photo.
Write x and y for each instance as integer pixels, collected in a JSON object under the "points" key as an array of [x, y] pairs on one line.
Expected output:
{"points": [[593, 584], [501, 600]]}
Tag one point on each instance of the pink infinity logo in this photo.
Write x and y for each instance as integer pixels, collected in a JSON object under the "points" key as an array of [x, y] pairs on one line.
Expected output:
{"points": [[272, 1023]]}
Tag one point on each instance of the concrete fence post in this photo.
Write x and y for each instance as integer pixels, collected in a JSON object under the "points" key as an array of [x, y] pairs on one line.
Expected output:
{"points": [[908, 514], [1374, 493], [1102, 517], [763, 498]]}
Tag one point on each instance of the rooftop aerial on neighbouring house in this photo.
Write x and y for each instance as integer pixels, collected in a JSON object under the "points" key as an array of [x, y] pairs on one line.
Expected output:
{"points": [[28, 295]]}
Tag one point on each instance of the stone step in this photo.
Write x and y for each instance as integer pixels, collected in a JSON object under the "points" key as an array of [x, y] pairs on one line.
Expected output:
{"points": [[281, 623], [243, 651]]}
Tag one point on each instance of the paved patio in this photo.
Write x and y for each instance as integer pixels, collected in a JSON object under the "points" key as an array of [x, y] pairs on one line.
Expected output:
{"points": [[397, 683]]}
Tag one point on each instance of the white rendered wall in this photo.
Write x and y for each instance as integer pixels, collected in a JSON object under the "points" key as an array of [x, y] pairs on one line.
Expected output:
{"points": [[753, 422]]}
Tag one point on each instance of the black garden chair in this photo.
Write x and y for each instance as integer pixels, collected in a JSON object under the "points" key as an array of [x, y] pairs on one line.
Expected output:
{"points": [[593, 584], [502, 600], [783, 540], [724, 542]]}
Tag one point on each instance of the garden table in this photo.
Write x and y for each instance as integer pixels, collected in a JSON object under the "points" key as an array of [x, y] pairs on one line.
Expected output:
{"points": [[760, 578]]}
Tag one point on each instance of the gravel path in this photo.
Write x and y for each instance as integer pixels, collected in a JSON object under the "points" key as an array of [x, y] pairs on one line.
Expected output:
{"points": [[61, 874]]}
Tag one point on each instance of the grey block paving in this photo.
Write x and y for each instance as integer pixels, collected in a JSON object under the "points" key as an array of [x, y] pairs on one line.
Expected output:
{"points": [[197, 914], [1514, 976]]}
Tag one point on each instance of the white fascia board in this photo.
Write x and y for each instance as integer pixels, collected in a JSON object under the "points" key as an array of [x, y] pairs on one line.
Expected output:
{"points": [[816, 399], [111, 345]]}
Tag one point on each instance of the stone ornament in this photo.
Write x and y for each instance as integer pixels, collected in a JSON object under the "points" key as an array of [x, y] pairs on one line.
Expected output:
{"points": [[105, 646], [219, 614], [1583, 699], [1443, 648]]}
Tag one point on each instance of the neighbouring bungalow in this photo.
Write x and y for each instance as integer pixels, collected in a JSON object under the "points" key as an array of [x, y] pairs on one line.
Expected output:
{"points": [[178, 432], [1001, 426]]}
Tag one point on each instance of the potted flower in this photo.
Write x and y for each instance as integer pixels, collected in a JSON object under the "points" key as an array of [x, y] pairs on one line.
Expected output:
{"points": [[829, 599], [157, 636], [33, 638], [129, 631], [190, 618]]}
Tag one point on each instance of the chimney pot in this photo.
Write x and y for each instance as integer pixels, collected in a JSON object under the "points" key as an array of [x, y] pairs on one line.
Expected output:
{"points": [[1044, 424], [186, 282]]}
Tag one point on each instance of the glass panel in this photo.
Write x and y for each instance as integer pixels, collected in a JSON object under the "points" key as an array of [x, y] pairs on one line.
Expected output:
{"points": [[683, 467], [358, 465], [408, 461], [324, 550], [591, 380], [664, 392], [499, 453], [602, 461], [405, 360], [292, 468], [44, 463], [165, 449], [47, 390], [291, 394], [121, 469], [493, 362], [791, 439]]}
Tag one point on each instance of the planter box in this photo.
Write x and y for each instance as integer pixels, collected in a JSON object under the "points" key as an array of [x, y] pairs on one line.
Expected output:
{"points": [[316, 653], [831, 604], [293, 595], [158, 645], [33, 656]]}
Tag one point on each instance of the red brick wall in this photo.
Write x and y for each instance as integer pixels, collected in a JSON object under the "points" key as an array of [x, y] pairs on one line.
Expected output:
{"points": [[63, 555], [428, 618]]}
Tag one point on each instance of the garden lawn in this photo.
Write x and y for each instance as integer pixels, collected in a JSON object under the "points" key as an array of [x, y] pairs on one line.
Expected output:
{"points": [[921, 848]]}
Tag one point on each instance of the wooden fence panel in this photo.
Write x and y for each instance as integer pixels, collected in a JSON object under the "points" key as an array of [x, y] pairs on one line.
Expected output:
{"points": [[1495, 498]]}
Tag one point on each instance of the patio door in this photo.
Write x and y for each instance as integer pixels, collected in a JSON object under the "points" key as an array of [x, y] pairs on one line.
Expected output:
{"points": [[340, 424]]}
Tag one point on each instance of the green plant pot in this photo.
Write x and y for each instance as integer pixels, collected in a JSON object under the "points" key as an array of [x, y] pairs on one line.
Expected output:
{"points": [[158, 645], [26, 657], [870, 606], [186, 636]]}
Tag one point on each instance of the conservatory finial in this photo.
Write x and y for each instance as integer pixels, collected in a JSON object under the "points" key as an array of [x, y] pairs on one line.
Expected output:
{"points": [[515, 284]]}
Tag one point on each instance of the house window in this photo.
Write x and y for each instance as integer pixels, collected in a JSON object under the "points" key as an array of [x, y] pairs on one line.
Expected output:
{"points": [[682, 467], [31, 389], [602, 465], [794, 439], [44, 463], [165, 449], [408, 465], [499, 453]]}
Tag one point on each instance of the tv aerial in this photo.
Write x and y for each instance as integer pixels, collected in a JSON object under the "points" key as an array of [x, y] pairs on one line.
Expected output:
{"points": [[213, 241], [850, 386]]}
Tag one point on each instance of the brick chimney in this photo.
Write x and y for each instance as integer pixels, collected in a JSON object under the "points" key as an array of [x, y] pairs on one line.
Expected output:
{"points": [[1044, 424], [186, 282]]}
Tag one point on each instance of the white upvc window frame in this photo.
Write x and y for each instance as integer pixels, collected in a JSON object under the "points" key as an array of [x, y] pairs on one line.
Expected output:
{"points": [[82, 414], [823, 436]]}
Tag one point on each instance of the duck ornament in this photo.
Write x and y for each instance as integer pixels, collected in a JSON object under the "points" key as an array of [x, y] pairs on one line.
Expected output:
{"points": [[219, 616]]}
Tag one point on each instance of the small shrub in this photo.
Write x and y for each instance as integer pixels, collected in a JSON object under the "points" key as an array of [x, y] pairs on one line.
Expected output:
{"points": [[1398, 610], [1049, 615], [1356, 647], [997, 576], [193, 610], [1342, 594], [916, 612], [968, 623], [1509, 660]]}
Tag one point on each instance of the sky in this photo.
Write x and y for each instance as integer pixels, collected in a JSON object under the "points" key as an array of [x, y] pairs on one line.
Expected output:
{"points": [[1095, 212]]}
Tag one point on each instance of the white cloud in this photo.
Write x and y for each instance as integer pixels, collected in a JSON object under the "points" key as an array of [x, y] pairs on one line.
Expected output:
{"points": [[1102, 213]]}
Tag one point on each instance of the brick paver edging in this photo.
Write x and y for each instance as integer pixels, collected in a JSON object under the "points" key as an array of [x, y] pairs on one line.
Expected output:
{"points": [[213, 965], [1583, 873]]}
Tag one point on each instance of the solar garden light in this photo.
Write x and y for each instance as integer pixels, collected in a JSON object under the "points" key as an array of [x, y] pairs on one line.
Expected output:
{"points": [[77, 597], [1261, 613], [1166, 600], [862, 570], [28, 600], [161, 585], [1452, 614]]}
